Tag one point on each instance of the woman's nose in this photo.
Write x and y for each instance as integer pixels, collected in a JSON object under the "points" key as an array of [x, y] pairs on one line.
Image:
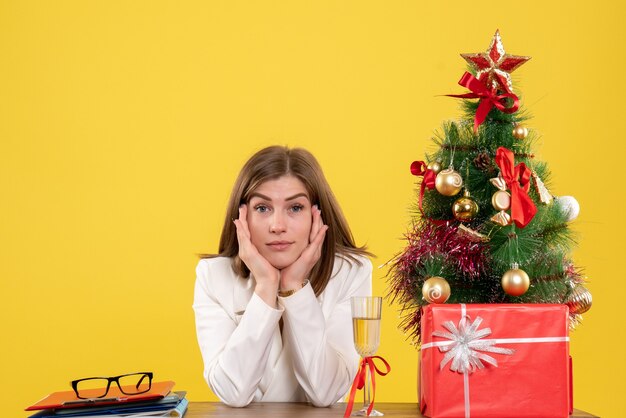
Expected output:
{"points": [[277, 224]]}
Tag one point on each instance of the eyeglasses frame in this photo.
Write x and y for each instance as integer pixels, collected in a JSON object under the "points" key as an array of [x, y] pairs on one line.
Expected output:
{"points": [[115, 379]]}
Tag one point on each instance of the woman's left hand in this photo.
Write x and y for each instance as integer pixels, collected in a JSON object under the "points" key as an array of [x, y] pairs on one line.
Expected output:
{"points": [[292, 276]]}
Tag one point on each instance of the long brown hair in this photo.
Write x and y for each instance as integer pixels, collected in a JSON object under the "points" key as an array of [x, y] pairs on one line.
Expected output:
{"points": [[269, 164]]}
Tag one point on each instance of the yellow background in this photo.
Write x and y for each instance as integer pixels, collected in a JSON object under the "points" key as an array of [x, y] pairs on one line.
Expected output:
{"points": [[123, 125]]}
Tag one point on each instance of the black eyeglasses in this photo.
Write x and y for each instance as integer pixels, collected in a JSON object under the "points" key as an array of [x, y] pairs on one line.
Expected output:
{"points": [[98, 387]]}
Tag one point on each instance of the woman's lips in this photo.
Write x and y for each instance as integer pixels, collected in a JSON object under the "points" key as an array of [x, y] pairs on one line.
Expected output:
{"points": [[279, 245]]}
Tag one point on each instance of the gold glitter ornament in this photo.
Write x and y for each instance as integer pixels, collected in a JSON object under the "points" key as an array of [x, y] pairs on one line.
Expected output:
{"points": [[520, 132], [465, 208], [436, 290], [435, 166], [579, 300], [448, 182], [515, 281]]}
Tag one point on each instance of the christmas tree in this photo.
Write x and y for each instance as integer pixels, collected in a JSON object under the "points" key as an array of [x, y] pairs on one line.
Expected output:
{"points": [[486, 228]]}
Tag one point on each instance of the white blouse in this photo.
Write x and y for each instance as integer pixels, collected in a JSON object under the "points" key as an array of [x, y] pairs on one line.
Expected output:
{"points": [[245, 357]]}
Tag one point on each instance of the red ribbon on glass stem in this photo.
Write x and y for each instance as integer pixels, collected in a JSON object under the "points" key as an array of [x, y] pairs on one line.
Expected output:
{"points": [[517, 178], [489, 98], [359, 381]]}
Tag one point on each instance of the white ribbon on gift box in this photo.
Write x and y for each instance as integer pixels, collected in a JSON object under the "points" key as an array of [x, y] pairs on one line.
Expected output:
{"points": [[466, 348]]}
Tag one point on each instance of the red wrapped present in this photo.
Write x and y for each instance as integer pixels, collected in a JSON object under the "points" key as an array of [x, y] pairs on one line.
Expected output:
{"points": [[495, 361]]}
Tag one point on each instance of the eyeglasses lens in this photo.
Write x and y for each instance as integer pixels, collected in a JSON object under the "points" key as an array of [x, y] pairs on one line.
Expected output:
{"points": [[92, 388], [135, 383]]}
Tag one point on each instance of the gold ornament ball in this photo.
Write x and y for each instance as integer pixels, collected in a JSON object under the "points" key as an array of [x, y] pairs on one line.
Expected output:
{"points": [[465, 208], [436, 290], [520, 132], [515, 282], [501, 200], [435, 166], [448, 182], [579, 301]]}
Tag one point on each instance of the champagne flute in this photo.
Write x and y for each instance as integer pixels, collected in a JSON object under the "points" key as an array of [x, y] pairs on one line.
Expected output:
{"points": [[366, 332]]}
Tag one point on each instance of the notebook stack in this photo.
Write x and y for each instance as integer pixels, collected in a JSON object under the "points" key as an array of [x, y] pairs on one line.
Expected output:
{"points": [[159, 401]]}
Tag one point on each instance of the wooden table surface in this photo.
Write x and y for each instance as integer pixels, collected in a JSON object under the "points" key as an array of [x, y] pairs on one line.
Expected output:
{"points": [[302, 410]]}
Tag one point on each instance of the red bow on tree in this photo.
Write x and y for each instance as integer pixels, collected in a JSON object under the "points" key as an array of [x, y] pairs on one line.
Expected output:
{"points": [[418, 168], [517, 178], [488, 98]]}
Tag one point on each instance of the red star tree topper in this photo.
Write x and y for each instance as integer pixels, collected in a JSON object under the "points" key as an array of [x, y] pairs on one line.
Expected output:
{"points": [[494, 66]]}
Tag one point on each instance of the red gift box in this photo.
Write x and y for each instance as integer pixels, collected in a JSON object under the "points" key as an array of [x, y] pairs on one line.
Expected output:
{"points": [[495, 361]]}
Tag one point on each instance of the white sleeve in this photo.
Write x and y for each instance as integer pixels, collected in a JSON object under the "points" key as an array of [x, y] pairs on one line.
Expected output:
{"points": [[235, 356], [325, 360]]}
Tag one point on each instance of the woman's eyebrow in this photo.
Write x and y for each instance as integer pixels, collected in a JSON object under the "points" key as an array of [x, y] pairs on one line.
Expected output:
{"points": [[295, 196], [259, 195], [262, 196]]}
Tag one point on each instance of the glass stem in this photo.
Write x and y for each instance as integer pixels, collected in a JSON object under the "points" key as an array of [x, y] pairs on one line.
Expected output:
{"points": [[366, 389]]}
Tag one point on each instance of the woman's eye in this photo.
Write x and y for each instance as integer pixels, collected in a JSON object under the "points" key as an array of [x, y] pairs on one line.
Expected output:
{"points": [[297, 208], [261, 208]]}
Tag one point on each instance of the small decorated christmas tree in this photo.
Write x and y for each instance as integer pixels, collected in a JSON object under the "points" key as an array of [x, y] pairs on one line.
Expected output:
{"points": [[486, 228]]}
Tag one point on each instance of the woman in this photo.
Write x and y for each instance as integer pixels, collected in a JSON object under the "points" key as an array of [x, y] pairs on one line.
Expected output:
{"points": [[273, 307]]}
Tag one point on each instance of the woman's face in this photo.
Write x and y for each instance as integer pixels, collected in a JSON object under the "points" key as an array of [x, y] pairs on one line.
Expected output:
{"points": [[279, 219]]}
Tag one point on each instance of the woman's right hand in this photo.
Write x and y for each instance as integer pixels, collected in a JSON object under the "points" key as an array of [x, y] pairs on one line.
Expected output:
{"points": [[267, 277]]}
